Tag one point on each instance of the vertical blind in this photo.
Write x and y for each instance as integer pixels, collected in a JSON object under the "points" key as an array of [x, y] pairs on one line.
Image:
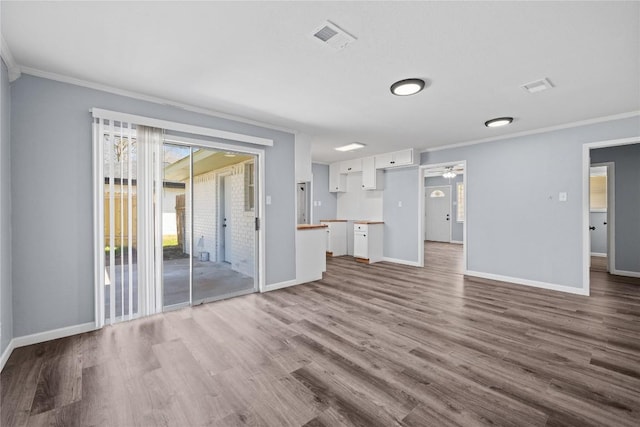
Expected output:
{"points": [[128, 179]]}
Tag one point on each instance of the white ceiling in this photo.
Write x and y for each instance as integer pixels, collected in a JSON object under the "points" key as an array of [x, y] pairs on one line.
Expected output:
{"points": [[258, 60]]}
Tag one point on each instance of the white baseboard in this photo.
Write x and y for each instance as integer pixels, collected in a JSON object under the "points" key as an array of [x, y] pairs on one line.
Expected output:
{"points": [[5, 354], [44, 336], [599, 254], [53, 334], [401, 261], [527, 282], [280, 285], [625, 273], [457, 242]]}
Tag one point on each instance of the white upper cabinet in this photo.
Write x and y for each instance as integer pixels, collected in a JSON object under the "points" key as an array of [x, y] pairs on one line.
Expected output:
{"points": [[395, 159], [337, 181], [351, 166], [372, 178]]}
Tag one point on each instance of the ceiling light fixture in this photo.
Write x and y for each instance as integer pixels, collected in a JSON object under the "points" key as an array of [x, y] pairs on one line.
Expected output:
{"points": [[497, 122], [449, 173], [350, 147], [407, 87], [228, 154]]}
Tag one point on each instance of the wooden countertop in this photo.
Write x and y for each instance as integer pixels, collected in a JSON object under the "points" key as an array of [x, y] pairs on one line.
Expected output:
{"points": [[311, 226], [369, 222], [333, 220]]}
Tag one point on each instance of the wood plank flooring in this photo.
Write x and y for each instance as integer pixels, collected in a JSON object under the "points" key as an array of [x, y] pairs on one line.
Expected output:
{"points": [[369, 345]]}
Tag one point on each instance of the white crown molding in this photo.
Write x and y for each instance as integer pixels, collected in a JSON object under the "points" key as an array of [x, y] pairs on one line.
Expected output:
{"points": [[535, 131], [12, 65], [156, 100]]}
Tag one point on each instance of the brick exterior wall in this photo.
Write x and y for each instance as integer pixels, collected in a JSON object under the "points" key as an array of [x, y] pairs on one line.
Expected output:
{"points": [[206, 218]]}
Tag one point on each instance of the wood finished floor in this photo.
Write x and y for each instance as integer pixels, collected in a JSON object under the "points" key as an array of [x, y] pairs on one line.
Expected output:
{"points": [[369, 345]]}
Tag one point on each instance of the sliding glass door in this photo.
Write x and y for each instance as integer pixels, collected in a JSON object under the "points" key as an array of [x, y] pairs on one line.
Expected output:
{"points": [[209, 233], [174, 220]]}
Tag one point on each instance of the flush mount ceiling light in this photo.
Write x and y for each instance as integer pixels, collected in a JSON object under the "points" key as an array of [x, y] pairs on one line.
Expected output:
{"points": [[497, 122], [407, 87], [228, 154], [350, 147]]}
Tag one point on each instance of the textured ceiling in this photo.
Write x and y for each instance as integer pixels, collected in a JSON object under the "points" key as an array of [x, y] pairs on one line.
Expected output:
{"points": [[258, 60]]}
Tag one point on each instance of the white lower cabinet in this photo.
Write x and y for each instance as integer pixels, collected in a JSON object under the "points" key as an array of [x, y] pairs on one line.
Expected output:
{"points": [[368, 241], [336, 237]]}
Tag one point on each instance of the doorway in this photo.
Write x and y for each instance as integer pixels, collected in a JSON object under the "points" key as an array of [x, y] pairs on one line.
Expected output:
{"points": [[601, 208], [443, 201], [617, 162]]}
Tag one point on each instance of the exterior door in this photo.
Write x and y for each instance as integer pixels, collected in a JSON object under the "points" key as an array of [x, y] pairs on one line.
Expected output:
{"points": [[438, 214], [227, 220]]}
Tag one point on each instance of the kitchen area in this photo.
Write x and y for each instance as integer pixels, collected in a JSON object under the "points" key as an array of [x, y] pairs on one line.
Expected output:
{"points": [[357, 227]]}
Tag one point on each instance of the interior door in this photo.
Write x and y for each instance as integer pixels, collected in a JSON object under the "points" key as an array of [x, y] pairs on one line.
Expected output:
{"points": [[438, 214]]}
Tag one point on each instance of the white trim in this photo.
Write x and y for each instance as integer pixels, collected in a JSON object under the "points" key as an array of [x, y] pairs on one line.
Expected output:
{"points": [[527, 282], [401, 261], [625, 273], [599, 254], [12, 66], [536, 131], [53, 334], [457, 242], [421, 207], [149, 98], [179, 127], [6, 354], [280, 285], [586, 174]]}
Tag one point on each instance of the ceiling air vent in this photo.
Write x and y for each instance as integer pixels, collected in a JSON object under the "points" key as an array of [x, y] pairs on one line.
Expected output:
{"points": [[537, 85], [330, 34]]}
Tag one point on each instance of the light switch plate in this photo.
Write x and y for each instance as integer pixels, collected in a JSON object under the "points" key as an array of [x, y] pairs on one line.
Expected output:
{"points": [[399, 204], [562, 196], [268, 200]]}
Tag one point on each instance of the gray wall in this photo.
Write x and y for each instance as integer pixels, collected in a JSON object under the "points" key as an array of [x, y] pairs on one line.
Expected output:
{"points": [[401, 223], [52, 198], [516, 227], [599, 235], [627, 202], [457, 228], [6, 299], [321, 193]]}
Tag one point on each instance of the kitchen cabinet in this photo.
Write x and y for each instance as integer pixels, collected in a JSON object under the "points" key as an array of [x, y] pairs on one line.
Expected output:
{"points": [[368, 241], [395, 159], [351, 166], [336, 237], [311, 260], [372, 178], [337, 181]]}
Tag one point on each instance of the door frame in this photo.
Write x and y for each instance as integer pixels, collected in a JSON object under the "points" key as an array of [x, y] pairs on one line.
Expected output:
{"points": [[586, 173], [611, 214], [421, 207], [450, 213]]}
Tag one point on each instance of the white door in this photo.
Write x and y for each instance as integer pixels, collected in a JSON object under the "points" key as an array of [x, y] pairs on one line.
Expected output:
{"points": [[438, 214], [227, 220]]}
